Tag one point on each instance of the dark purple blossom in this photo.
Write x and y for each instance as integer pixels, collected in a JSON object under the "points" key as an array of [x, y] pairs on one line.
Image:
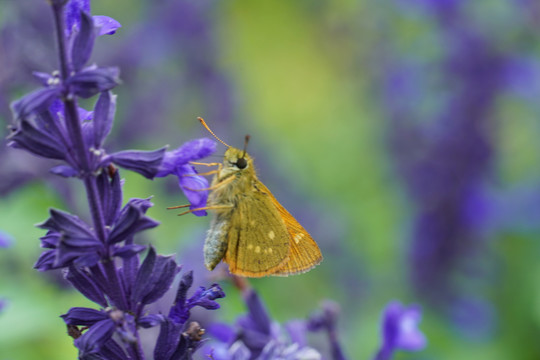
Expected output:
{"points": [[400, 330], [177, 163], [177, 339], [202, 297]]}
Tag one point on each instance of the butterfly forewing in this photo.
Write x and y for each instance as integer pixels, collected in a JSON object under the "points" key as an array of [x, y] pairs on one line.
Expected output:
{"points": [[258, 240], [304, 254]]}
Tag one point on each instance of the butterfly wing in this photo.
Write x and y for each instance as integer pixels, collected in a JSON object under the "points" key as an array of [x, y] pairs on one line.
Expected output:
{"points": [[258, 241], [304, 253]]}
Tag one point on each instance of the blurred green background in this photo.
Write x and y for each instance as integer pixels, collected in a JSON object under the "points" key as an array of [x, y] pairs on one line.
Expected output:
{"points": [[308, 80]]}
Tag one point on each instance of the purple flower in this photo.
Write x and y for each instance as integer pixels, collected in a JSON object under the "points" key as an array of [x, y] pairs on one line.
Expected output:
{"points": [[400, 330], [72, 242], [172, 340], [176, 163], [6, 240], [105, 24], [180, 311], [325, 320]]}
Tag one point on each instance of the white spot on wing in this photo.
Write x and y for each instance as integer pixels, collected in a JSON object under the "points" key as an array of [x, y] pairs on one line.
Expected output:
{"points": [[298, 237], [271, 235], [257, 249]]}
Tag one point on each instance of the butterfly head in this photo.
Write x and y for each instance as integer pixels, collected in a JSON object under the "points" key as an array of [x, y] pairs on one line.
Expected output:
{"points": [[236, 160]]}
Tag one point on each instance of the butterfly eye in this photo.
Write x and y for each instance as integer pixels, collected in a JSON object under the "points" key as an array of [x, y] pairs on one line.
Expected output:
{"points": [[241, 163]]}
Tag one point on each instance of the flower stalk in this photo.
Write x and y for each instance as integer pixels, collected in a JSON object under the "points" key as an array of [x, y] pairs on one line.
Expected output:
{"points": [[102, 260]]}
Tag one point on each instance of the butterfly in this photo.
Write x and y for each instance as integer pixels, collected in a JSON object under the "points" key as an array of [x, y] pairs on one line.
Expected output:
{"points": [[250, 230]]}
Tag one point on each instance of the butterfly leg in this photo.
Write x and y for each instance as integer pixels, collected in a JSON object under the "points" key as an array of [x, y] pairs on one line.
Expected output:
{"points": [[222, 183], [205, 164], [204, 173], [178, 207], [214, 207], [219, 165]]}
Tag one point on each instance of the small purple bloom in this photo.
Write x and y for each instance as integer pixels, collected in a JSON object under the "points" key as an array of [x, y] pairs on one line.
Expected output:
{"points": [[6, 240], [327, 320], [176, 163], [106, 25], [400, 330], [173, 341], [180, 311]]}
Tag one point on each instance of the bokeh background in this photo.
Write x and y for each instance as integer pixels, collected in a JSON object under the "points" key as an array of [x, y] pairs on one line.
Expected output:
{"points": [[403, 134]]}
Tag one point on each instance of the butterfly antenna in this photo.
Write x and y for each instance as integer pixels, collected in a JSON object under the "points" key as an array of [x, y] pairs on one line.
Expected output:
{"points": [[210, 131], [245, 146]]}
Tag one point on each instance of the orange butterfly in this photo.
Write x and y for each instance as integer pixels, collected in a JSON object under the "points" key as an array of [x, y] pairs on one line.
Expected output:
{"points": [[250, 230]]}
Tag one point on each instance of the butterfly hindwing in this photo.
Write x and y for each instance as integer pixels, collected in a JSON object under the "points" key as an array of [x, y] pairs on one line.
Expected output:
{"points": [[258, 241]]}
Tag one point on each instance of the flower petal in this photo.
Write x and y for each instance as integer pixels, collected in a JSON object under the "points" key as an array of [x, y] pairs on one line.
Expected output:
{"points": [[35, 101], [72, 13], [67, 223], [104, 111], [127, 251], [205, 298], [154, 278], [192, 185], [93, 80], [84, 41], [145, 163], [107, 25], [84, 283], [93, 339], [190, 151], [151, 320], [64, 171], [400, 327], [131, 220], [36, 141], [83, 316]]}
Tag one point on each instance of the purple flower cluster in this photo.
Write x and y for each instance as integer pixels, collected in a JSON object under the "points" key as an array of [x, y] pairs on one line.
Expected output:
{"points": [[445, 157], [256, 336], [100, 259]]}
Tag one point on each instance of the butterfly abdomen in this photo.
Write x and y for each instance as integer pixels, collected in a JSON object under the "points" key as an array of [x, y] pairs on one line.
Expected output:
{"points": [[215, 244]]}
